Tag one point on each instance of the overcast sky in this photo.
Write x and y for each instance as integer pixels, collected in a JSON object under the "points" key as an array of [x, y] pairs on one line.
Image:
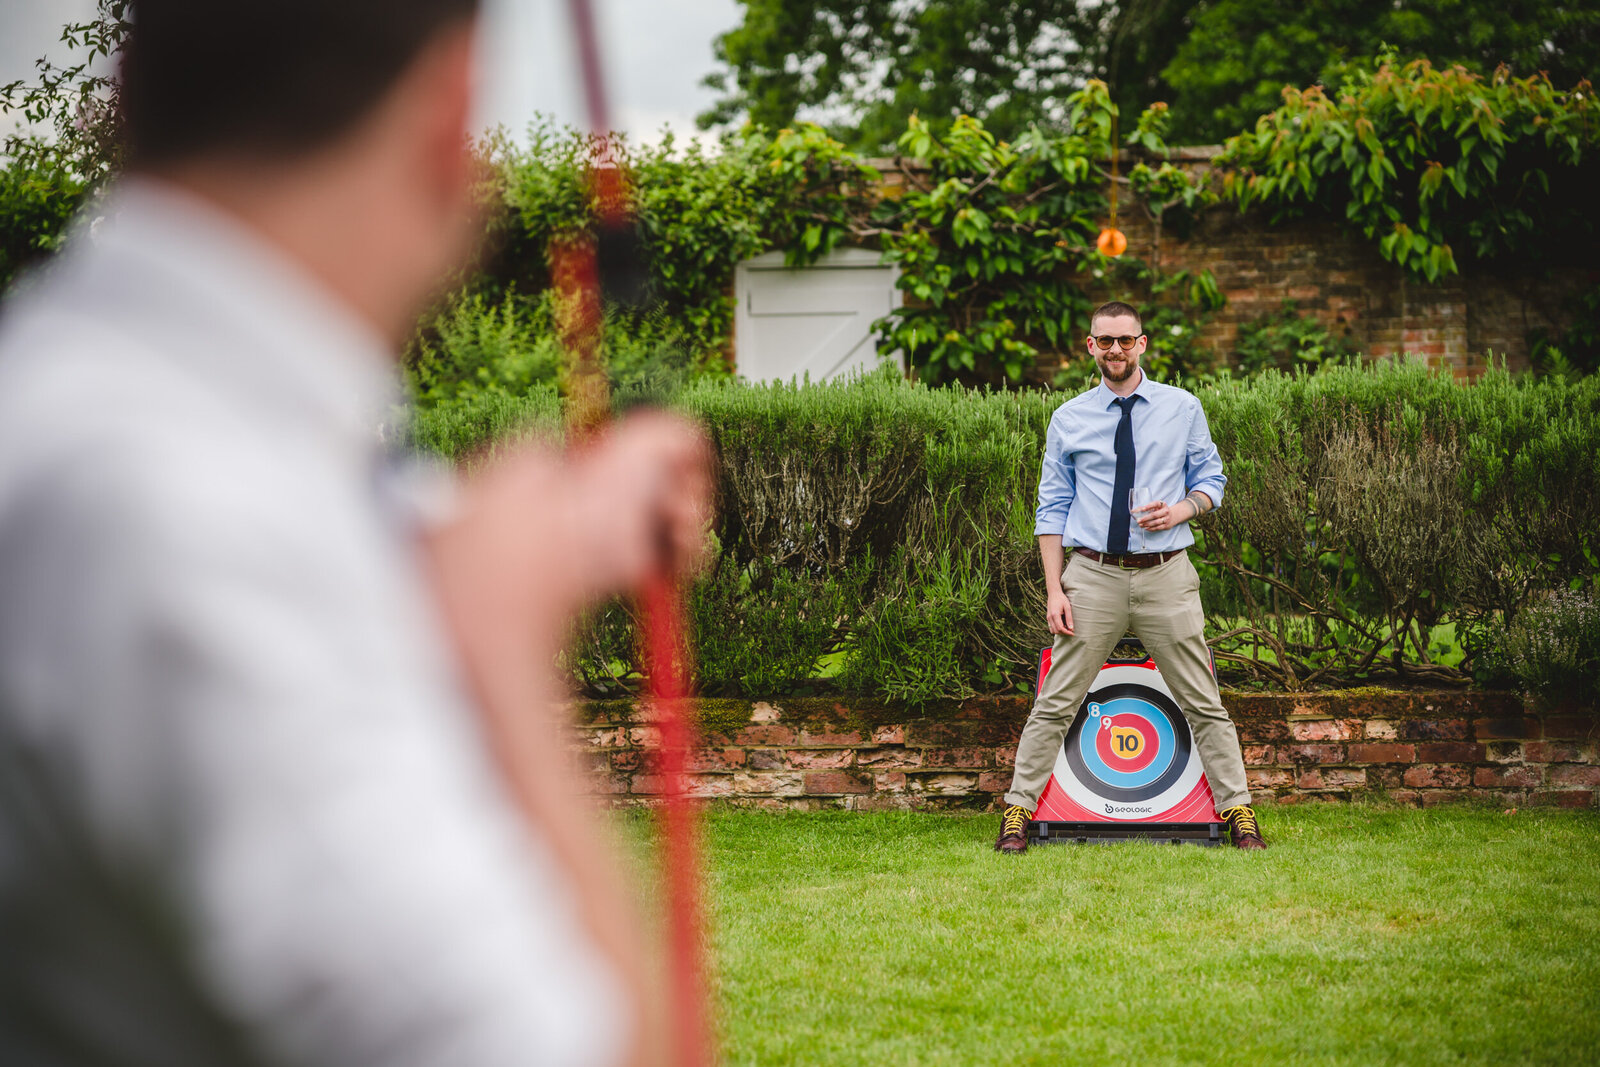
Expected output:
{"points": [[656, 52]]}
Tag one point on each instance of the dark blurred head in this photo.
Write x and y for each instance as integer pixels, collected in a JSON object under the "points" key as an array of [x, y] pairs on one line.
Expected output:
{"points": [[272, 78]]}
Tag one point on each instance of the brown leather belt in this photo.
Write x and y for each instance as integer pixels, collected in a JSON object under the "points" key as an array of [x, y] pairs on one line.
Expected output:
{"points": [[1129, 559]]}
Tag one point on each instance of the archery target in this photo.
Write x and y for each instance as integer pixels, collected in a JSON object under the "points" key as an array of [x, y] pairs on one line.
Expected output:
{"points": [[1128, 756]]}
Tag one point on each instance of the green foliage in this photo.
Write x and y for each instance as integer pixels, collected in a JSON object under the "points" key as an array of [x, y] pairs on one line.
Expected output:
{"points": [[37, 198], [1241, 54], [471, 425], [865, 67], [764, 629], [995, 243], [1366, 505], [1286, 340], [1575, 350], [699, 214], [67, 140], [1441, 168], [888, 527], [1552, 649]]}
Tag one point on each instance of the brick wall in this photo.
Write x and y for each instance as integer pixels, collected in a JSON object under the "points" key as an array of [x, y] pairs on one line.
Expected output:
{"points": [[1338, 278], [1417, 748]]}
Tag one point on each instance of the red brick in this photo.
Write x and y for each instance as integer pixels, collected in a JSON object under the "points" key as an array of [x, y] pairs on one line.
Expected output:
{"points": [[1449, 752], [716, 759], [1555, 752], [781, 783], [711, 785], [1406, 796], [883, 758], [1507, 729], [1332, 778], [1005, 757], [764, 734], [761, 711], [1564, 798], [994, 781], [1259, 755], [1432, 730], [945, 784], [1377, 752], [647, 784], [1379, 730], [889, 782], [1504, 752], [629, 759], [607, 785], [1506, 777], [829, 737], [889, 735], [1323, 730], [1389, 776], [1265, 778], [825, 782], [1313, 753], [955, 757], [1262, 733], [1574, 775], [767, 759], [644, 736], [1435, 797], [1577, 727], [1437, 776], [611, 737], [821, 759]]}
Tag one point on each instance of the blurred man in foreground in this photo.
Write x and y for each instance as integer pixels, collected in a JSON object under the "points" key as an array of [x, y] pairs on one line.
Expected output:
{"points": [[281, 775]]}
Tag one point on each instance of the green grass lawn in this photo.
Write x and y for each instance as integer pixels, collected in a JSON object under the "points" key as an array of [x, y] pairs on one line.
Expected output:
{"points": [[1365, 935]]}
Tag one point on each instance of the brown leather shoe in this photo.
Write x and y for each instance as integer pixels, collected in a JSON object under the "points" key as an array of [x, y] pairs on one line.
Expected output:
{"points": [[1013, 830], [1242, 827]]}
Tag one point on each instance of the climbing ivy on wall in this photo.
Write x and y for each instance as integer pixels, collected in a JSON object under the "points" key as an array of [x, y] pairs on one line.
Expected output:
{"points": [[1440, 167]]}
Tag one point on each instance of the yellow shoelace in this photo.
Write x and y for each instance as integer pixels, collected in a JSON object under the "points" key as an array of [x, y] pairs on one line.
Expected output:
{"points": [[1243, 820], [1016, 820]]}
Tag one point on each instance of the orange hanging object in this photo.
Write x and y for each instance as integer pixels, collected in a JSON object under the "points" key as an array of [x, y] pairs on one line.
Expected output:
{"points": [[1111, 242]]}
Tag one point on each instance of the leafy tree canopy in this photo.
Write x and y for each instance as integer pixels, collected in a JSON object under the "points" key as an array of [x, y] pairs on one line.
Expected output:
{"points": [[1235, 63], [861, 68]]}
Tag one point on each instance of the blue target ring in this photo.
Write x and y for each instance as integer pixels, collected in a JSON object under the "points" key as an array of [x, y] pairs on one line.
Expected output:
{"points": [[1152, 707], [1157, 731]]}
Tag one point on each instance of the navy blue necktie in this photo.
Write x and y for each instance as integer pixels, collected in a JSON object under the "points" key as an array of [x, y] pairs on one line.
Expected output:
{"points": [[1117, 542]]}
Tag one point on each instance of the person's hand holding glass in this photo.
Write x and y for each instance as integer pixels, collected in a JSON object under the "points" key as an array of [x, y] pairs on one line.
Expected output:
{"points": [[1141, 499]]}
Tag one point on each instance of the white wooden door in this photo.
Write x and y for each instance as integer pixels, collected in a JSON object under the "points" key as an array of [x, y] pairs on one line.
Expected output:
{"points": [[813, 321]]}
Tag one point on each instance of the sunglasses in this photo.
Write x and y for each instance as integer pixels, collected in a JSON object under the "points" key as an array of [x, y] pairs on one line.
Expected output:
{"points": [[1105, 341]]}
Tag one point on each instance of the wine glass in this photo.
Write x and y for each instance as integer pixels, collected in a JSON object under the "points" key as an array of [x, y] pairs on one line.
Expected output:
{"points": [[1139, 497]]}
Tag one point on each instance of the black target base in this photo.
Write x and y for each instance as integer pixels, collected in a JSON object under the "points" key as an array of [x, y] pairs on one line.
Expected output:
{"points": [[1205, 834]]}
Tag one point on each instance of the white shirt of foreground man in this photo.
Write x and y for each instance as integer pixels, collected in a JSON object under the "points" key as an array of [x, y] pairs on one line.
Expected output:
{"points": [[221, 671]]}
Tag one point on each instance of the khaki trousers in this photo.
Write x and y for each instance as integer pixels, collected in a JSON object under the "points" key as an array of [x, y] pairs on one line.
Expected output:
{"points": [[1161, 605]]}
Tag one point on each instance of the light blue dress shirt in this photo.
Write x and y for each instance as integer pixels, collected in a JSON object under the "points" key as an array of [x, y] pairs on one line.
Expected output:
{"points": [[1173, 456]]}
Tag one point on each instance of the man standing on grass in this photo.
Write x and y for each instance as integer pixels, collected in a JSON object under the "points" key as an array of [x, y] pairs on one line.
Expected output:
{"points": [[283, 767], [1126, 433]]}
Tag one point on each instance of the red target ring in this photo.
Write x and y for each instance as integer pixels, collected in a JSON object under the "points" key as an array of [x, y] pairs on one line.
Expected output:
{"points": [[1129, 742]]}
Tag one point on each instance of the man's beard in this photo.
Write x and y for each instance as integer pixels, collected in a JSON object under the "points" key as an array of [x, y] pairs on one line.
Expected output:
{"points": [[1128, 367]]}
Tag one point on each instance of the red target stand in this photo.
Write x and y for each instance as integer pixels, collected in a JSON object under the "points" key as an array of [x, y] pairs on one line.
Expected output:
{"points": [[1127, 769]]}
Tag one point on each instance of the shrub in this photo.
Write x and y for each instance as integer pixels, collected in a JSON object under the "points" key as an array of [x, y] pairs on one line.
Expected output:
{"points": [[888, 526], [1553, 648]]}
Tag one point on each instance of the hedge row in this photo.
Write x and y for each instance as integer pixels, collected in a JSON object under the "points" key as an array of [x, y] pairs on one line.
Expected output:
{"points": [[877, 535]]}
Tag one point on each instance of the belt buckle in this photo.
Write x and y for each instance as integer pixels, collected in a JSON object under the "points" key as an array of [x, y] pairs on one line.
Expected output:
{"points": [[1123, 564]]}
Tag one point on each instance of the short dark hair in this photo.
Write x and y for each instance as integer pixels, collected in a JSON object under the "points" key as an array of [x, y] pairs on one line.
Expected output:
{"points": [[277, 78], [1115, 307]]}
